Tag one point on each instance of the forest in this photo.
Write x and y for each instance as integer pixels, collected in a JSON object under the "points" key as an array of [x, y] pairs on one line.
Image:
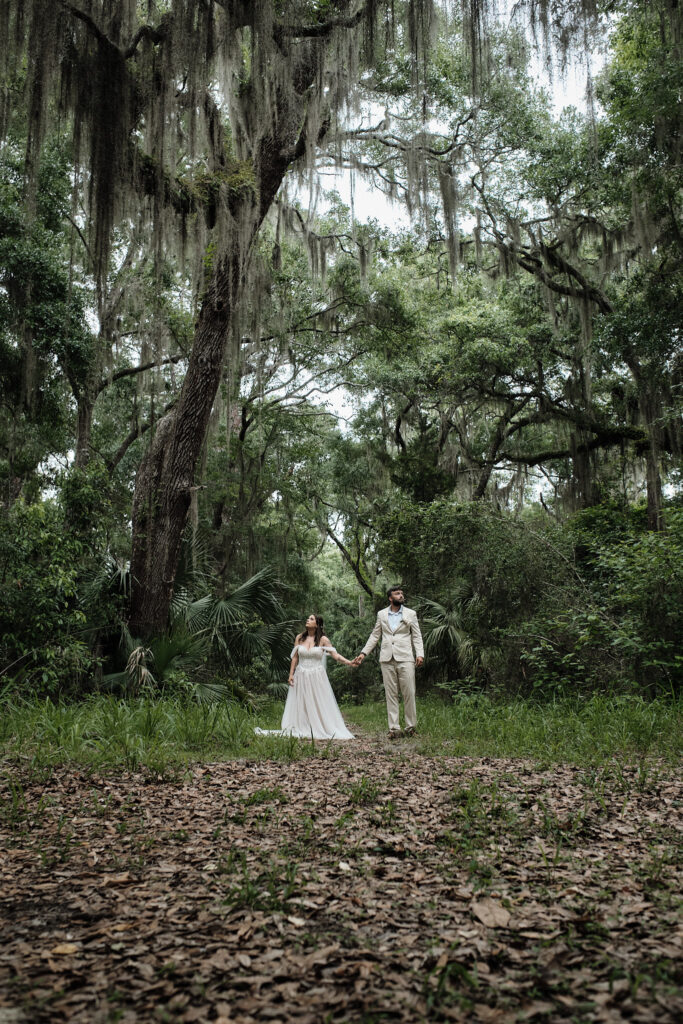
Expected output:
{"points": [[175, 474], [299, 300]]}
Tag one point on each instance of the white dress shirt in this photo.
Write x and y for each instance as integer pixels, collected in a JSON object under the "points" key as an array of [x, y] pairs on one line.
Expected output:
{"points": [[395, 619]]}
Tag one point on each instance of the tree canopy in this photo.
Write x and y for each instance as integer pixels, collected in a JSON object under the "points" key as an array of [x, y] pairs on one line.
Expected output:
{"points": [[179, 293]]}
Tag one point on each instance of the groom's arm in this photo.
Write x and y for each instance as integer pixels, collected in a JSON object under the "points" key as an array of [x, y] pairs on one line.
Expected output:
{"points": [[417, 640], [373, 639]]}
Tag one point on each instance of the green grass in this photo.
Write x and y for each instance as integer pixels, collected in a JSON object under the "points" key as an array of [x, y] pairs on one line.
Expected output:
{"points": [[578, 730], [162, 735]]}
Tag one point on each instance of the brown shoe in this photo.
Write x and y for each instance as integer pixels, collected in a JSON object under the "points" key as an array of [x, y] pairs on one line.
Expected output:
{"points": [[395, 734], [410, 731]]}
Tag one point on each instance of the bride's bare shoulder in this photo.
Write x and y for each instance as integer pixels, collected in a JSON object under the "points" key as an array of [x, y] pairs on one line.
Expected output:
{"points": [[324, 641]]}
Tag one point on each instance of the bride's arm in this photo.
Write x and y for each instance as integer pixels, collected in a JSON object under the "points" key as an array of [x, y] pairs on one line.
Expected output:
{"points": [[324, 642], [294, 662]]}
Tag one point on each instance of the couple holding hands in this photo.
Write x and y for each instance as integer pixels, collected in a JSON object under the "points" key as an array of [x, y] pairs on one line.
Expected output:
{"points": [[311, 709]]}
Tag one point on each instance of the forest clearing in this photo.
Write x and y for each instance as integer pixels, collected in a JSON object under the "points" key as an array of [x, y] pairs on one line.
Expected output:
{"points": [[341, 336], [366, 881]]}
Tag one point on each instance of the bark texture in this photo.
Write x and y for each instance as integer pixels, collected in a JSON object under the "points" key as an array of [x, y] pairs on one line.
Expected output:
{"points": [[163, 486], [166, 478]]}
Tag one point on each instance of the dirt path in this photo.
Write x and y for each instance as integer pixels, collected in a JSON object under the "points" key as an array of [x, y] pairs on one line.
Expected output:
{"points": [[365, 883]]}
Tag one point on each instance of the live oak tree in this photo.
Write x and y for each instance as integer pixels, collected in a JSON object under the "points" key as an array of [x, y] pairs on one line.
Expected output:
{"points": [[589, 209], [190, 114], [236, 92]]}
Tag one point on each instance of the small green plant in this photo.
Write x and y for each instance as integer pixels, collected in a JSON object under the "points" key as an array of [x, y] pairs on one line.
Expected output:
{"points": [[653, 869], [386, 813], [266, 890], [266, 795], [59, 851], [450, 985], [14, 809], [362, 792]]}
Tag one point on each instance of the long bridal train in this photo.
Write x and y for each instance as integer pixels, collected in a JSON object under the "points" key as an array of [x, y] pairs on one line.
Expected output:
{"points": [[311, 709]]}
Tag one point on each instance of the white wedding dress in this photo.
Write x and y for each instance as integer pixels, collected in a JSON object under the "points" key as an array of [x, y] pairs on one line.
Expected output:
{"points": [[311, 709]]}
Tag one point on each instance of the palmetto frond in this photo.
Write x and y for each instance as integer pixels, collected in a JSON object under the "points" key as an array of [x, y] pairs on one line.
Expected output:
{"points": [[128, 642], [245, 641], [243, 625], [178, 651], [196, 615], [211, 691], [109, 577], [255, 598], [444, 626], [443, 635]]}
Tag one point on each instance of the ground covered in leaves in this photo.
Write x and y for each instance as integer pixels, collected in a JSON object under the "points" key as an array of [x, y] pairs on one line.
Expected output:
{"points": [[365, 882]]}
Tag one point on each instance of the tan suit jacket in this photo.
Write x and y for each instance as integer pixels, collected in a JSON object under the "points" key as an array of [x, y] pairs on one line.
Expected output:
{"points": [[403, 645]]}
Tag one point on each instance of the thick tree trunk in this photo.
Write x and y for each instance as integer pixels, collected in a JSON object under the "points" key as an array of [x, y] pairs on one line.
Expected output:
{"points": [[650, 410], [163, 487]]}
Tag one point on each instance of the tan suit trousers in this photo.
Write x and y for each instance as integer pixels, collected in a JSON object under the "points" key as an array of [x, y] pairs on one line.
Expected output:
{"points": [[399, 676]]}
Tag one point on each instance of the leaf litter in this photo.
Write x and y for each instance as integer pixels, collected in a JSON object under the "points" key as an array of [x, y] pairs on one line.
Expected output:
{"points": [[373, 884]]}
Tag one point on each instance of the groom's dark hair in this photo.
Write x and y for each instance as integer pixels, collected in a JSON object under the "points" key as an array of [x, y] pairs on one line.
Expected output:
{"points": [[391, 590]]}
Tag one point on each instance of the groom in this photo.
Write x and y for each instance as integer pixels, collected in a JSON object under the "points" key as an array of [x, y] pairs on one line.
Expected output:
{"points": [[401, 651]]}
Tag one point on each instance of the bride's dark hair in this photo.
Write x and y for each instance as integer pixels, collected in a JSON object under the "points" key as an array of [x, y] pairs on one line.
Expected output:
{"points": [[317, 636]]}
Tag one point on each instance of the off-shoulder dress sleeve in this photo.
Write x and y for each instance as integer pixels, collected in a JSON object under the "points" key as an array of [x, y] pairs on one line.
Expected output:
{"points": [[295, 650], [329, 650]]}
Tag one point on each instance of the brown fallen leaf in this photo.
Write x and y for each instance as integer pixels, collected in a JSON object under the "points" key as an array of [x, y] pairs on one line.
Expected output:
{"points": [[118, 879], [538, 1007], [488, 1013], [490, 913], [64, 949]]}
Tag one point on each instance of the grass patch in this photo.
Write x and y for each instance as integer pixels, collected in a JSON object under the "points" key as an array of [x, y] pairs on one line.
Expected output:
{"points": [[161, 736], [268, 890], [574, 730]]}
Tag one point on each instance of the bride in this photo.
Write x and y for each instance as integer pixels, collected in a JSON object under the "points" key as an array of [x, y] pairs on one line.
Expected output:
{"points": [[311, 709]]}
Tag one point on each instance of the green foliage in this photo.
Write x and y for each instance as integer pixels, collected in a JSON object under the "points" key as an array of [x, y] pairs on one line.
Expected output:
{"points": [[622, 629], [641, 89], [526, 604], [216, 648], [157, 735], [502, 559], [161, 736], [87, 504], [64, 593], [467, 376], [43, 332], [43, 625], [365, 682], [448, 630], [245, 625], [589, 730]]}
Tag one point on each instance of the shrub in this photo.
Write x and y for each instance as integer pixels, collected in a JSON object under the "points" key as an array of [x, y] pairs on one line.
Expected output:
{"points": [[43, 629]]}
